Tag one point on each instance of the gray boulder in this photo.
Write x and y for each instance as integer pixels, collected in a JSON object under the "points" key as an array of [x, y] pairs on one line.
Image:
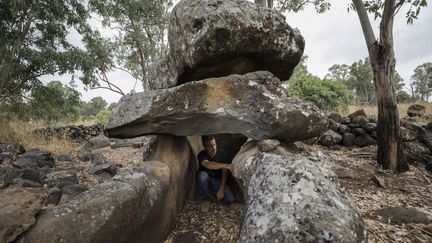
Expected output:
{"points": [[364, 140], [416, 110], [35, 159], [100, 141], [18, 209], [290, 198], [330, 138], [218, 38], [348, 139], [253, 104]]}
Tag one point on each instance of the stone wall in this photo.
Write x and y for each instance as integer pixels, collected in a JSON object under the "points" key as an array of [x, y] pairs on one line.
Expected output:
{"points": [[73, 132]]}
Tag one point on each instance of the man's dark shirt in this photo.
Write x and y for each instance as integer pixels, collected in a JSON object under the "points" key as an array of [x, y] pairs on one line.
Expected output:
{"points": [[220, 158]]}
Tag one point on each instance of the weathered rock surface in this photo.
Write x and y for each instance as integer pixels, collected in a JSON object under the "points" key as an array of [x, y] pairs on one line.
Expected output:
{"points": [[290, 198], [330, 138], [401, 215], [100, 141], [416, 110], [253, 104], [18, 209], [218, 38], [138, 205]]}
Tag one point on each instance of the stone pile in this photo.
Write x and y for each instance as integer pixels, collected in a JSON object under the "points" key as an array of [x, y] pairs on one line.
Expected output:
{"points": [[72, 132], [359, 130], [353, 130]]}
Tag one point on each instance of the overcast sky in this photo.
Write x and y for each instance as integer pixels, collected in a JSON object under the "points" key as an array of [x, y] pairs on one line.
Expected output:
{"points": [[334, 37]]}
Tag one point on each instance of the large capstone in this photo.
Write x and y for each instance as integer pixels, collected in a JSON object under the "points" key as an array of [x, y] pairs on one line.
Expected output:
{"points": [[253, 104], [290, 198], [216, 38]]}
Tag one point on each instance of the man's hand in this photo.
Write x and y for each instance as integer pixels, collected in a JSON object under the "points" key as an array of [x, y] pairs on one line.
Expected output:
{"points": [[220, 193], [227, 166]]}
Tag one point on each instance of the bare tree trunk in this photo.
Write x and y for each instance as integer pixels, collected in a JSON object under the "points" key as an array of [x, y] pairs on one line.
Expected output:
{"points": [[260, 2], [270, 3], [390, 149]]}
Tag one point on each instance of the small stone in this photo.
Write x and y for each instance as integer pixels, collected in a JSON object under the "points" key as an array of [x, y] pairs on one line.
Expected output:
{"points": [[348, 139], [401, 215], [267, 144], [344, 129], [416, 110], [343, 172], [380, 182], [345, 120], [335, 117], [357, 113]]}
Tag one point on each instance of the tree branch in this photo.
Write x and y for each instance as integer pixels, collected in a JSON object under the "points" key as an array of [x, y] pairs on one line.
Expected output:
{"points": [[365, 24], [386, 26], [113, 90], [398, 7]]}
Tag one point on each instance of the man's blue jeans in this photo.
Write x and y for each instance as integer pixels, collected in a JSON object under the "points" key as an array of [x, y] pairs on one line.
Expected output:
{"points": [[209, 187]]}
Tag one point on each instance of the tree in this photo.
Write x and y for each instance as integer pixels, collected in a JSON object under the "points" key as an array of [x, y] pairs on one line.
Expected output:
{"points": [[141, 35], [359, 78], [33, 42], [93, 107], [421, 81], [54, 102], [339, 72], [382, 58]]}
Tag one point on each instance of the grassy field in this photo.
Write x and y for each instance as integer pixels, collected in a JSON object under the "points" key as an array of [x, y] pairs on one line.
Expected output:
{"points": [[372, 110], [22, 133]]}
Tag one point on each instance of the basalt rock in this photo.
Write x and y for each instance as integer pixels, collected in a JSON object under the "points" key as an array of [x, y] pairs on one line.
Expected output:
{"points": [[217, 38], [290, 198], [253, 104]]}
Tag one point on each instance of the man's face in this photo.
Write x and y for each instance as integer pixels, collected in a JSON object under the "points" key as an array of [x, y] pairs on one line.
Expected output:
{"points": [[210, 147]]}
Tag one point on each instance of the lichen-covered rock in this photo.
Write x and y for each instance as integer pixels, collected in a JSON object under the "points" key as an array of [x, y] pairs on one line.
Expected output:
{"points": [[111, 212], [330, 138], [253, 104], [18, 210], [290, 198], [216, 38], [416, 110]]}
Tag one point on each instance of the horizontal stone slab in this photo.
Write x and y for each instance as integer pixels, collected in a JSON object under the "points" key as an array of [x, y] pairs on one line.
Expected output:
{"points": [[253, 104]]}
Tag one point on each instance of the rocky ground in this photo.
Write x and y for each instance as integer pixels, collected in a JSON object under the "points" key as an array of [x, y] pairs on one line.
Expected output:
{"points": [[375, 191], [395, 207]]}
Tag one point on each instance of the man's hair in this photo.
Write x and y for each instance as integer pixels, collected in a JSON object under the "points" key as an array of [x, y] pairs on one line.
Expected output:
{"points": [[206, 138]]}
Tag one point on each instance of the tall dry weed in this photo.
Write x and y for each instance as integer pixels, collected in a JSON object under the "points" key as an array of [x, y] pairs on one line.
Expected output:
{"points": [[372, 110], [23, 133]]}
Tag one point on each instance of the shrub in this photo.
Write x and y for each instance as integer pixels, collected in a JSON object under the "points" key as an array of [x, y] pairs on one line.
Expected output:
{"points": [[103, 116], [327, 94]]}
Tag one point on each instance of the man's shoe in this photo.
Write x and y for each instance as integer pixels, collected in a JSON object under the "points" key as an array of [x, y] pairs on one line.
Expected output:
{"points": [[205, 206]]}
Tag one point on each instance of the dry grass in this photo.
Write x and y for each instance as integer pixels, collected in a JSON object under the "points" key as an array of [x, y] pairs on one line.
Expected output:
{"points": [[372, 110], [22, 133]]}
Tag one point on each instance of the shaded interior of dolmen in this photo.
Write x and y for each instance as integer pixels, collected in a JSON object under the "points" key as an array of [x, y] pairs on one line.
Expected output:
{"points": [[238, 64]]}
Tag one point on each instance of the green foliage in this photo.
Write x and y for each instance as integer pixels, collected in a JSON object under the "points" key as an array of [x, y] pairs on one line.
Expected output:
{"points": [[50, 103], [33, 42], [327, 94], [141, 26], [93, 107], [421, 81], [111, 106], [103, 116], [359, 78]]}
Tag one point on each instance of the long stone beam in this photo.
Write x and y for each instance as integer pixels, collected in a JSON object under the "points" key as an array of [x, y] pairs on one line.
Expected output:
{"points": [[253, 104]]}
